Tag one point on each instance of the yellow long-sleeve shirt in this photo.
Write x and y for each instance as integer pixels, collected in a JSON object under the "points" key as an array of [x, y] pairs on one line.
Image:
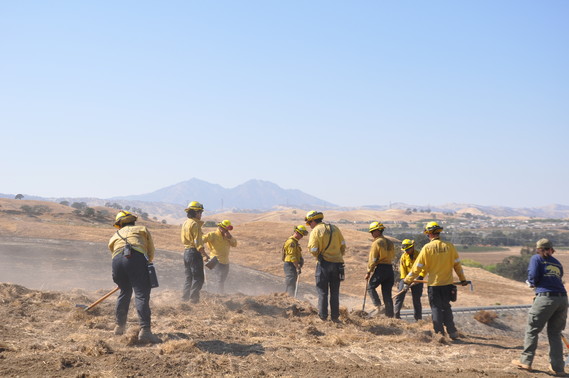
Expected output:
{"points": [[292, 252], [319, 239], [382, 251], [137, 236], [406, 263], [437, 258], [219, 245], [192, 236]]}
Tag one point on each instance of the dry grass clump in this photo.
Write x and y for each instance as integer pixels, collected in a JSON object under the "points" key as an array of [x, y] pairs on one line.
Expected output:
{"points": [[96, 349], [178, 347], [10, 291], [334, 340], [313, 331], [79, 315], [6, 347], [485, 317]]}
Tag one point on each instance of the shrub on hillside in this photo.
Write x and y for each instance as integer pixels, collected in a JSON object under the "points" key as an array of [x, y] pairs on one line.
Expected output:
{"points": [[485, 317], [35, 210], [514, 267]]}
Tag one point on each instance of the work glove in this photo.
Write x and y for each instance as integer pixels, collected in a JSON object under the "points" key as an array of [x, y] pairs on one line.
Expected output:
{"points": [[464, 283], [529, 284], [406, 286], [299, 270]]}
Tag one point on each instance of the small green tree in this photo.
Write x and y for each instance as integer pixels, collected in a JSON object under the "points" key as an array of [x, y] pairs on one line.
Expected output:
{"points": [[64, 203], [19, 196], [89, 212], [515, 267], [79, 205]]}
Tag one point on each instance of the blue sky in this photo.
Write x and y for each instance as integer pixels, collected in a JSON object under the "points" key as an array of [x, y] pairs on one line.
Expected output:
{"points": [[357, 103]]}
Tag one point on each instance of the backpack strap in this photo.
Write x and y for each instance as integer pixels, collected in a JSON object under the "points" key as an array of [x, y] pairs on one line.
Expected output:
{"points": [[120, 236], [320, 258]]}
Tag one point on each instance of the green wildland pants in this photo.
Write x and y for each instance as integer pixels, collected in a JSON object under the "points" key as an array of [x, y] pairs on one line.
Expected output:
{"points": [[550, 310]]}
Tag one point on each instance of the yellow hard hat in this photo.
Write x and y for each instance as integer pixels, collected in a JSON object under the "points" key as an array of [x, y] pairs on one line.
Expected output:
{"points": [[432, 227], [406, 244], [194, 205], [313, 215], [124, 216], [376, 226], [225, 224], [301, 230]]}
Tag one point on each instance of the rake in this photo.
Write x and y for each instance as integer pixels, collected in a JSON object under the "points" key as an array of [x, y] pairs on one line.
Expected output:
{"points": [[87, 308]]}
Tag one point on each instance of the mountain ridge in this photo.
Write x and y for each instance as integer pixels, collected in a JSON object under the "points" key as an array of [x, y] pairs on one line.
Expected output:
{"points": [[259, 195], [252, 194]]}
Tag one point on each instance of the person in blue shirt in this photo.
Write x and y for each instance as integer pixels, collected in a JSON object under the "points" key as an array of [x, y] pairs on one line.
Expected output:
{"points": [[549, 307]]}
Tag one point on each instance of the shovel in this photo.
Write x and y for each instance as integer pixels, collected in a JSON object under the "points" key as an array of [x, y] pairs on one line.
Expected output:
{"points": [[296, 286], [365, 295], [87, 308], [567, 345]]}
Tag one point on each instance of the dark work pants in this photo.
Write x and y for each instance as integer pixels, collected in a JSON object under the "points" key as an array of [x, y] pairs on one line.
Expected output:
{"points": [[328, 282], [193, 263], [416, 293], [290, 278], [131, 274], [219, 274], [382, 275], [441, 312]]}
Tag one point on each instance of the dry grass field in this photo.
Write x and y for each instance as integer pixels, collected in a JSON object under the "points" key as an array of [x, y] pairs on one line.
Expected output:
{"points": [[254, 330]]}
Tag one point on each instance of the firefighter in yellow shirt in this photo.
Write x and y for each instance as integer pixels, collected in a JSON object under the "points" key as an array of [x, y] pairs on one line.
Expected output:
{"points": [[380, 268], [132, 249], [327, 244], [219, 242], [438, 259], [405, 264], [292, 257], [194, 252]]}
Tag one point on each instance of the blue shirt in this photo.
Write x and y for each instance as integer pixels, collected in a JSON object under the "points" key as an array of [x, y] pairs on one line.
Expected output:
{"points": [[545, 274]]}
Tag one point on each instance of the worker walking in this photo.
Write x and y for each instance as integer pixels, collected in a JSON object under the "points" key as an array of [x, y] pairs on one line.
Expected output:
{"points": [[194, 252], [405, 264], [327, 244], [549, 307], [380, 268], [438, 259], [132, 249], [219, 243], [292, 257]]}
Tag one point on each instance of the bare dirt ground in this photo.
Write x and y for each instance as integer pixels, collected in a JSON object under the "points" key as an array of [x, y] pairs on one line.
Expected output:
{"points": [[52, 263]]}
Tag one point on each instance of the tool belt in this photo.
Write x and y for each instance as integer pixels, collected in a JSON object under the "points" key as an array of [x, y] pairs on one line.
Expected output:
{"points": [[548, 294]]}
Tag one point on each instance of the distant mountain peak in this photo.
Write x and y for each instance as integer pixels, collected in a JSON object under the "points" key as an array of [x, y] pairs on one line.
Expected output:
{"points": [[253, 194]]}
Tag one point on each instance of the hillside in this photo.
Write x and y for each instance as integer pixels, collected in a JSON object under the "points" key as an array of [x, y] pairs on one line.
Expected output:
{"points": [[260, 238], [253, 330]]}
